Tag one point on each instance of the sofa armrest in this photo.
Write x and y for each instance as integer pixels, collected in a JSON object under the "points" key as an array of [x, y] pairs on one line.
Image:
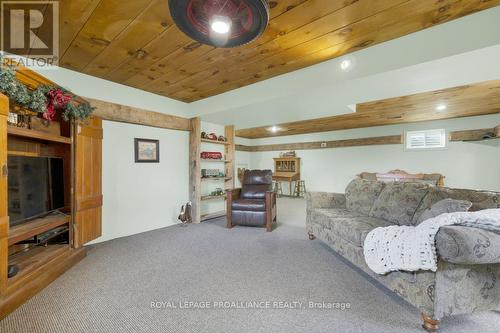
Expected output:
{"points": [[325, 200], [468, 246]]}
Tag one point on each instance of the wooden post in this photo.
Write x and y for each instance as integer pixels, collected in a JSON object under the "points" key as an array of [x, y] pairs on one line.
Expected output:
{"points": [[229, 156], [195, 168], [4, 218]]}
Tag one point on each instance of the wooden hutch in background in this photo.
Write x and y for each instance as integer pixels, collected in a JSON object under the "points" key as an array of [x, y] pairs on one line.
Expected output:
{"points": [[80, 147], [287, 169]]}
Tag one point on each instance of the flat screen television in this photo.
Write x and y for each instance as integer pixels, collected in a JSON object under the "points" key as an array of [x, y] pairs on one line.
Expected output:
{"points": [[36, 187]]}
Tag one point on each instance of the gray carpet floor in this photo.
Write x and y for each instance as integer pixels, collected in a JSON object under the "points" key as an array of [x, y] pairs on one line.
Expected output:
{"points": [[112, 289]]}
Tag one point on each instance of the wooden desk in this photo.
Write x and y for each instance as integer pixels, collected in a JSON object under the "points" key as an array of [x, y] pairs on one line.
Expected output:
{"points": [[284, 177], [287, 169]]}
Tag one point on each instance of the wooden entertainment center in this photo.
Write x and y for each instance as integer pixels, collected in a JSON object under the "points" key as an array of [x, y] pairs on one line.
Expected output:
{"points": [[80, 147]]}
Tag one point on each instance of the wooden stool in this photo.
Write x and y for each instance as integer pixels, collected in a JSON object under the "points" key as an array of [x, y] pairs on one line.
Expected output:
{"points": [[277, 188], [300, 188]]}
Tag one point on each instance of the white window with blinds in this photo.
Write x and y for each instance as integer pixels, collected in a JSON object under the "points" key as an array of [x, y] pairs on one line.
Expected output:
{"points": [[425, 140]]}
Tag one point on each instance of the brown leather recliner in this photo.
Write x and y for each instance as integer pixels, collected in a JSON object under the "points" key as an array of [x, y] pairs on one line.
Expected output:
{"points": [[255, 203]]}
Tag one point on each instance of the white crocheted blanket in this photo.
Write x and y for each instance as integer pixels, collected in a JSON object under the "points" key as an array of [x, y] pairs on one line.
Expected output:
{"points": [[408, 248]]}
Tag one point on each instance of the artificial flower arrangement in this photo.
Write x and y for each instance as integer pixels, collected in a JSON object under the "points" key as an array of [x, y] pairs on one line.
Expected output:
{"points": [[45, 99]]}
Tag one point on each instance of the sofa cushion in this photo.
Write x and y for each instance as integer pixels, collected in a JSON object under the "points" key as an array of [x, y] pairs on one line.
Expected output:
{"points": [[469, 246], [360, 195], [480, 199], [355, 229], [444, 206], [398, 202], [326, 216], [350, 226], [254, 205]]}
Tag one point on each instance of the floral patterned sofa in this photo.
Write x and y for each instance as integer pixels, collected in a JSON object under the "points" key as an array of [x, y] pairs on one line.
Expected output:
{"points": [[468, 275]]}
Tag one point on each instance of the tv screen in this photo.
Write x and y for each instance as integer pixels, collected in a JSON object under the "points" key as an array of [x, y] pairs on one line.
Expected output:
{"points": [[36, 187]]}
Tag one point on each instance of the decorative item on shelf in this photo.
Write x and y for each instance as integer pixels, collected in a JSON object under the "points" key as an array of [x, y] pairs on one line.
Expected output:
{"points": [[290, 153], [208, 173], [12, 271], [45, 100], [211, 155], [185, 214], [147, 151], [222, 138], [241, 174], [13, 119], [217, 192], [212, 136], [43, 125], [20, 116], [204, 135]]}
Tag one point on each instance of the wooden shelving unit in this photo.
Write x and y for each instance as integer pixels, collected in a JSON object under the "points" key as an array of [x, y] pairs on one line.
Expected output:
{"points": [[214, 215], [28, 133], [79, 147], [34, 258], [212, 197], [216, 142], [476, 135], [212, 178], [35, 227], [195, 179]]}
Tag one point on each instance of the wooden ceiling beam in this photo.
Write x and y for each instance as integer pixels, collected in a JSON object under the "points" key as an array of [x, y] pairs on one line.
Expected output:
{"points": [[379, 140], [464, 101], [132, 115], [475, 135]]}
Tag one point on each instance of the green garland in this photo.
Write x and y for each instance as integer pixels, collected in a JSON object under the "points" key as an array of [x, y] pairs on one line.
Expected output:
{"points": [[38, 100]]}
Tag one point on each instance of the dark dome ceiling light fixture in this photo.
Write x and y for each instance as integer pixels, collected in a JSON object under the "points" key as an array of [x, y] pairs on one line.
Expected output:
{"points": [[221, 23]]}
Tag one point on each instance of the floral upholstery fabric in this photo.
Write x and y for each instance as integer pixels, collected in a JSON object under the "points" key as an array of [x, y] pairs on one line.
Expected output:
{"points": [[416, 288], [325, 200], [464, 245], [480, 199], [464, 289], [398, 202], [444, 206], [361, 194], [350, 226], [456, 288]]}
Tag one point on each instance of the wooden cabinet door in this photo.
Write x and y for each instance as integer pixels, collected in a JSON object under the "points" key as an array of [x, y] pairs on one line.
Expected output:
{"points": [[88, 181]]}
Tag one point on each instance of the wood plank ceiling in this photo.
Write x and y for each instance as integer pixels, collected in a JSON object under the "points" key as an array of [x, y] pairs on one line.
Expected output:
{"points": [[136, 43], [464, 101]]}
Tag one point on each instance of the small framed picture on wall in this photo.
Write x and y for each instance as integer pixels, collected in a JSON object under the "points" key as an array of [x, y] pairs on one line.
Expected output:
{"points": [[147, 151]]}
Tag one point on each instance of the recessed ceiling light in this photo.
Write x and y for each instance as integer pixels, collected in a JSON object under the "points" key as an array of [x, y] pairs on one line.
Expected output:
{"points": [[346, 64], [221, 24], [274, 129], [441, 107]]}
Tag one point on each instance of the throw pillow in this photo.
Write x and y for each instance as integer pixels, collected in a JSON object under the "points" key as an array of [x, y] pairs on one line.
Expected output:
{"points": [[444, 206], [360, 195], [398, 202]]}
